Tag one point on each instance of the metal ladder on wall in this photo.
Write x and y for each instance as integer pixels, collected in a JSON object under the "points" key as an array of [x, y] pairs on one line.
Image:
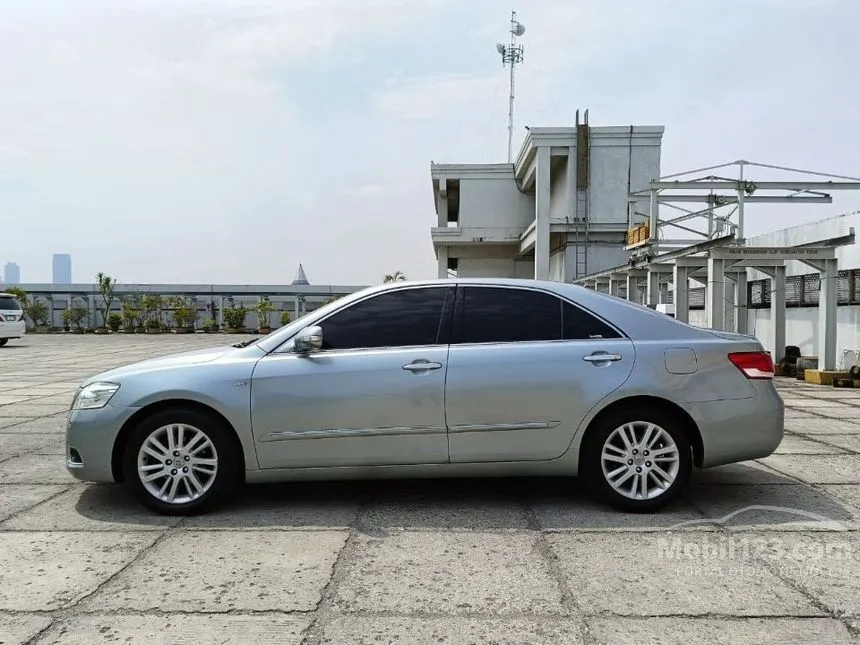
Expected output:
{"points": [[581, 206]]}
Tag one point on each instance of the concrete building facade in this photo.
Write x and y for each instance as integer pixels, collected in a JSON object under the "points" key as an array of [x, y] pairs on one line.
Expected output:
{"points": [[560, 211]]}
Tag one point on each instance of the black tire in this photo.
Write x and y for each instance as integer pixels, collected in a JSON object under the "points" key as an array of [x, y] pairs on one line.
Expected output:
{"points": [[593, 467], [3, 341], [220, 487]]}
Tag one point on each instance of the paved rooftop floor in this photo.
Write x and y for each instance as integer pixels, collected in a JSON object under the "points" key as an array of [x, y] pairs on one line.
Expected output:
{"points": [[769, 551]]}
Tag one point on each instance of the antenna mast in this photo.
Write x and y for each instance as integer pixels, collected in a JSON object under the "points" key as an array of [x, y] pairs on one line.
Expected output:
{"points": [[512, 54]]}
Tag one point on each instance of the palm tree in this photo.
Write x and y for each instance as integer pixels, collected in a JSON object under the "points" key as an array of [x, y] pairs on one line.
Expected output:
{"points": [[397, 276]]}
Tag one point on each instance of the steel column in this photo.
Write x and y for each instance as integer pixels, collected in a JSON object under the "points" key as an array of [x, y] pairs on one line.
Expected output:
{"points": [[827, 327], [682, 293], [777, 312], [716, 304]]}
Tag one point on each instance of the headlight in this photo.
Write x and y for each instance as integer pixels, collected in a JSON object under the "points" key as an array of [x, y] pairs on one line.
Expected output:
{"points": [[94, 396]]}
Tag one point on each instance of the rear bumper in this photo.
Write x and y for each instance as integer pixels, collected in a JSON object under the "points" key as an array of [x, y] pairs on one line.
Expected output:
{"points": [[740, 429], [12, 329], [91, 434]]}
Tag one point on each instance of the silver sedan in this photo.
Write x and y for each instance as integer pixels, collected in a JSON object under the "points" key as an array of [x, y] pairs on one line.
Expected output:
{"points": [[466, 378]]}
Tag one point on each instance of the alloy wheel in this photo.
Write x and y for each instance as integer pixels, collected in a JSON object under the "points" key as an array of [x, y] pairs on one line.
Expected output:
{"points": [[640, 460], [177, 463]]}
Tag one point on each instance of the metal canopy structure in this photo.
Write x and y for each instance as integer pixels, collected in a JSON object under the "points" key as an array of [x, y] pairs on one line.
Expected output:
{"points": [[711, 249]]}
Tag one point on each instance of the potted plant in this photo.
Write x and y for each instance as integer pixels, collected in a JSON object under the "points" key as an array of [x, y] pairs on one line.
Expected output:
{"points": [[210, 327], [151, 305], [264, 309], [152, 326], [234, 318], [75, 316], [37, 311], [106, 286], [184, 314], [131, 314], [114, 321], [285, 318]]}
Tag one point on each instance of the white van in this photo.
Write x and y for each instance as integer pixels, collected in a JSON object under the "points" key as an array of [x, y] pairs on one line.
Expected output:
{"points": [[11, 318]]}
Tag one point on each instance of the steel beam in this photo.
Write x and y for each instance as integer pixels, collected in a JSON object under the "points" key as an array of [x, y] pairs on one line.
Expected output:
{"points": [[752, 199], [733, 184]]}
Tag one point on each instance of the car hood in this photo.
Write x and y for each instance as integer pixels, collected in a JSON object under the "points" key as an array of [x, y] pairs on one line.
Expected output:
{"points": [[194, 357]]}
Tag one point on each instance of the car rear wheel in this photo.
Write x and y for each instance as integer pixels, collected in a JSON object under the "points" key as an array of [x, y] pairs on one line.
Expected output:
{"points": [[181, 462], [3, 341], [638, 460]]}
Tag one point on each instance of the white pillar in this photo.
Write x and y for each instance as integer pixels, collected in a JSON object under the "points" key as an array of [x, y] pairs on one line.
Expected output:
{"points": [[442, 204], [442, 256], [633, 286], [716, 301], [653, 288], [777, 312], [542, 196], [615, 287], [681, 281], [827, 300], [742, 311]]}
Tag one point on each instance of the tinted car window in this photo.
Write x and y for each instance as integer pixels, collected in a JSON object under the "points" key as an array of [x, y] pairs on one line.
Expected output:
{"points": [[578, 324], [490, 315], [400, 318], [9, 304]]}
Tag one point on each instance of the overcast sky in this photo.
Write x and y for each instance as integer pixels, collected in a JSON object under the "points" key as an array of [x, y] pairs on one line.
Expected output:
{"points": [[226, 141]]}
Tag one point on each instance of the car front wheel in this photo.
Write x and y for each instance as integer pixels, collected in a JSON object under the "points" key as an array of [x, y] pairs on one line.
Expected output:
{"points": [[638, 460], [181, 462], [3, 341]]}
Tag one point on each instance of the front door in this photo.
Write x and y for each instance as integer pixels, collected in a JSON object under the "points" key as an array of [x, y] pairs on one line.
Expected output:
{"points": [[524, 368], [374, 395]]}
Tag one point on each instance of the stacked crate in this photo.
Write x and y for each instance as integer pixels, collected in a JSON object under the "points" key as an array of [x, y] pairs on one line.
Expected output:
{"points": [[638, 234]]}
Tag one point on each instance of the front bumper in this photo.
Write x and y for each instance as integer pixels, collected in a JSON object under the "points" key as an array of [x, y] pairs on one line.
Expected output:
{"points": [[90, 439], [12, 329]]}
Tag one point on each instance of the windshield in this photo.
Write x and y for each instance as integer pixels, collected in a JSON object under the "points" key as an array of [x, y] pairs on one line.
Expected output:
{"points": [[9, 304]]}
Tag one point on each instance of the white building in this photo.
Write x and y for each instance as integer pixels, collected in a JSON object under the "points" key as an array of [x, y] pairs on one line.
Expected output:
{"points": [[560, 211]]}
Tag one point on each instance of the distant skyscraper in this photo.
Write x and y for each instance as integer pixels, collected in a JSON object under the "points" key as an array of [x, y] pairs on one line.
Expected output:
{"points": [[12, 273], [62, 268]]}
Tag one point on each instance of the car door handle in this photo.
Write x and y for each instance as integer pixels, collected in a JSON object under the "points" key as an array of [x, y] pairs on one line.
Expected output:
{"points": [[602, 358], [422, 366]]}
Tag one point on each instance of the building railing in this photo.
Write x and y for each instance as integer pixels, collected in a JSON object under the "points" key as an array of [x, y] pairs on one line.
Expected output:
{"points": [[804, 290]]}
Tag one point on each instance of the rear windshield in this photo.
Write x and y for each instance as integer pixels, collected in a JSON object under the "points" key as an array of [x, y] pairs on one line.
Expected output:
{"points": [[9, 304]]}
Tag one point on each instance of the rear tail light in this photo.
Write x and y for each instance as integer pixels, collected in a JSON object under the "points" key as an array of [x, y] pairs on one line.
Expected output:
{"points": [[754, 365]]}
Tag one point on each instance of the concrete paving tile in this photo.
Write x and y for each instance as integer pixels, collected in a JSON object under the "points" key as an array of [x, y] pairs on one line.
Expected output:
{"points": [[30, 409], [35, 469], [49, 571], [822, 426], [7, 399], [6, 422], [791, 413], [816, 469], [46, 425], [178, 629], [358, 630], [747, 472], [849, 442], [823, 564], [19, 629], [18, 497], [846, 494], [56, 447], [483, 505], [91, 507], [226, 571], [715, 631], [283, 506], [580, 511], [794, 445], [642, 574], [797, 402], [448, 572], [834, 411], [771, 507], [18, 444]]}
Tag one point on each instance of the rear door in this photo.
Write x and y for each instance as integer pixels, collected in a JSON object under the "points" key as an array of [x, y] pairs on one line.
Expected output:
{"points": [[524, 368]]}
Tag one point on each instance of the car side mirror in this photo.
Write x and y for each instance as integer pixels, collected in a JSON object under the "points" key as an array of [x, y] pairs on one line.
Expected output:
{"points": [[308, 340]]}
